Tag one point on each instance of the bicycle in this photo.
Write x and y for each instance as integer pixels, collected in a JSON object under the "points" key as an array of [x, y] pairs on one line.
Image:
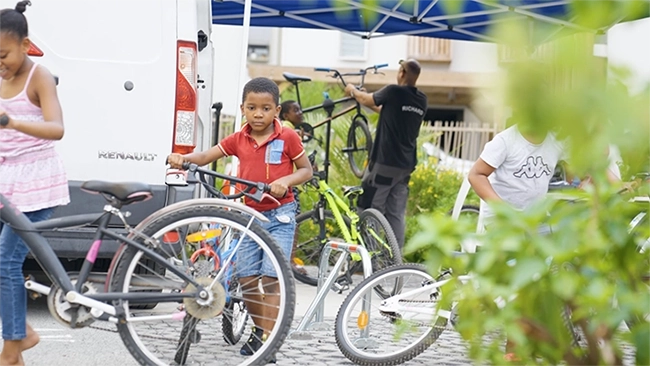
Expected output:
{"points": [[165, 309], [368, 228], [412, 318], [359, 138]]}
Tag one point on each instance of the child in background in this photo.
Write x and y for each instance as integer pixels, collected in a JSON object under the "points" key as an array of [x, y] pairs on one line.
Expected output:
{"points": [[291, 114], [267, 153], [31, 173], [516, 166]]}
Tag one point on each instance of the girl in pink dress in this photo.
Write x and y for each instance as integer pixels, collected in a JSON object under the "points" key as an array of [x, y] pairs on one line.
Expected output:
{"points": [[31, 173]]}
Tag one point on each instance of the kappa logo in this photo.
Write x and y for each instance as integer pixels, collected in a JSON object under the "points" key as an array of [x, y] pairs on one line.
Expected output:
{"points": [[534, 168]]}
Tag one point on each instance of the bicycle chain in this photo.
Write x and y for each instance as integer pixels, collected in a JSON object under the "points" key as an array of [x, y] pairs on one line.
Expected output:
{"points": [[142, 336]]}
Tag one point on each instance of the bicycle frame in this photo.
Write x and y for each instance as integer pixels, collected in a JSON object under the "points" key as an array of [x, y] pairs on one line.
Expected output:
{"points": [[339, 208], [395, 304]]}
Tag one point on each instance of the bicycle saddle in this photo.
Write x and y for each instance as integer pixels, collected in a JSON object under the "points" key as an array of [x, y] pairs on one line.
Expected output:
{"points": [[349, 190], [295, 78], [126, 192]]}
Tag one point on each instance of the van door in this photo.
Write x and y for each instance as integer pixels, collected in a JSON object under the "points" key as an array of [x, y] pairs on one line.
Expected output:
{"points": [[116, 63]]}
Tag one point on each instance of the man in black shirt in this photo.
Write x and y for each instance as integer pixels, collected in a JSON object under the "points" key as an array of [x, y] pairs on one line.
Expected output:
{"points": [[401, 110]]}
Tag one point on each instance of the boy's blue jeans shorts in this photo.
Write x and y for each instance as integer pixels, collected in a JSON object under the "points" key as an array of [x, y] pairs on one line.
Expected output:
{"points": [[251, 260]]}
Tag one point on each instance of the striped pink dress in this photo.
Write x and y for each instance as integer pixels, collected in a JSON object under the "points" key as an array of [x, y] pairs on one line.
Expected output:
{"points": [[32, 176]]}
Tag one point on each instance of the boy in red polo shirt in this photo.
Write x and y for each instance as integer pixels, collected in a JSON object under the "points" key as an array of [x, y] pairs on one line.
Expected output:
{"points": [[267, 152]]}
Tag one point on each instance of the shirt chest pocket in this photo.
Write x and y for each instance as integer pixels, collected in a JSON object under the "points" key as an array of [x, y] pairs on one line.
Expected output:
{"points": [[274, 152]]}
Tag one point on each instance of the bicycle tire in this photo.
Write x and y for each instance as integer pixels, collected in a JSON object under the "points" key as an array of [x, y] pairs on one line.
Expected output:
{"points": [[390, 252], [359, 145], [363, 356], [467, 209], [311, 247], [158, 354]]}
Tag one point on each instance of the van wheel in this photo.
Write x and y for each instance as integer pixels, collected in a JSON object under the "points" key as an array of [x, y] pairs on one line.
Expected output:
{"points": [[142, 270]]}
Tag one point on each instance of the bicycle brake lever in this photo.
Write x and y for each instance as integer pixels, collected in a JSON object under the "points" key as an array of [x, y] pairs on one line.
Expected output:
{"points": [[275, 200]]}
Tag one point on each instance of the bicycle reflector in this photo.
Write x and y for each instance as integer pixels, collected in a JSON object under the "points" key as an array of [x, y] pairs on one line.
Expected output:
{"points": [[203, 235], [186, 99], [362, 320]]}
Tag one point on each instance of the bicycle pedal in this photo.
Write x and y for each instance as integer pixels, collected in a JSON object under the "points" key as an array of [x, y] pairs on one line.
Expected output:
{"points": [[338, 288]]}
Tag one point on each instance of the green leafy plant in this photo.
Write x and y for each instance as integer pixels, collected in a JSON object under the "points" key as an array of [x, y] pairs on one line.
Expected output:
{"points": [[535, 288]]}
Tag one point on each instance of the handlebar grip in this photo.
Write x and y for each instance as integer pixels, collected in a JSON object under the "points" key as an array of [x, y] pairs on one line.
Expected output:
{"points": [[189, 166], [323, 69], [4, 120], [380, 66]]}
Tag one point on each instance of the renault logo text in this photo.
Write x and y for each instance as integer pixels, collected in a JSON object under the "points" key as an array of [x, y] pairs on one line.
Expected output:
{"points": [[121, 155]]}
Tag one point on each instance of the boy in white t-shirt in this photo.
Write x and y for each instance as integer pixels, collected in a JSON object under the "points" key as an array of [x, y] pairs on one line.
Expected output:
{"points": [[515, 167]]}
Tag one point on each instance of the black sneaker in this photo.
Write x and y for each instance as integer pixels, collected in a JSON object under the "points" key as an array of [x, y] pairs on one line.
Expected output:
{"points": [[254, 342]]}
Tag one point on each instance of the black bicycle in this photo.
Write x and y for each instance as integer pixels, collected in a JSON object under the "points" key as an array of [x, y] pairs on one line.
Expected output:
{"points": [[167, 305], [359, 139]]}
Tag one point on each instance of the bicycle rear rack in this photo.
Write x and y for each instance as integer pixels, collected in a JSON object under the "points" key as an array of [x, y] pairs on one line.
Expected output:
{"points": [[313, 319]]}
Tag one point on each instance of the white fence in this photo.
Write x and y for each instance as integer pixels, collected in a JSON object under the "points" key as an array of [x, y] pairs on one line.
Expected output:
{"points": [[459, 139]]}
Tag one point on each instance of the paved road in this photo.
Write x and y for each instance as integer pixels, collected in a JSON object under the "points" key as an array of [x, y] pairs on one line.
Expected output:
{"points": [[61, 346]]}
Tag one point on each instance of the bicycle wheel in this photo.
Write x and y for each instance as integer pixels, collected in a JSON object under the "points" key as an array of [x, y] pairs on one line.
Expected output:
{"points": [[381, 243], [468, 212], [359, 145], [368, 336], [187, 332], [310, 245], [235, 316]]}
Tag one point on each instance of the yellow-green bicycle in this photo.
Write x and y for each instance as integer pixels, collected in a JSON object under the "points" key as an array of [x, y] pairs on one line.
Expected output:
{"points": [[332, 217]]}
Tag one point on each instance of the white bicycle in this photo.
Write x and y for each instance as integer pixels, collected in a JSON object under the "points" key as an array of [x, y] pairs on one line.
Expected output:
{"points": [[371, 330]]}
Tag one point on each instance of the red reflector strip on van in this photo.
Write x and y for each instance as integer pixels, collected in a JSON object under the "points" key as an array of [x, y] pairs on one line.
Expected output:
{"points": [[34, 50]]}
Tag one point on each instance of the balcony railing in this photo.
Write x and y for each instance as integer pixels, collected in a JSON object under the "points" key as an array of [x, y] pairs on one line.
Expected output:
{"points": [[426, 49]]}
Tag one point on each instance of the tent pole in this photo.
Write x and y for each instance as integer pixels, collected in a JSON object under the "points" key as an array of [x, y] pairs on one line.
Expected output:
{"points": [[243, 74]]}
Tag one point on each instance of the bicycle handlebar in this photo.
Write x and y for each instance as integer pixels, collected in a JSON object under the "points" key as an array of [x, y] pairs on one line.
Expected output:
{"points": [[262, 190], [362, 72]]}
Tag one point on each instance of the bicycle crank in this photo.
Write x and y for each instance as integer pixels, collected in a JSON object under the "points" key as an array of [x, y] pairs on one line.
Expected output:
{"points": [[70, 315], [210, 307]]}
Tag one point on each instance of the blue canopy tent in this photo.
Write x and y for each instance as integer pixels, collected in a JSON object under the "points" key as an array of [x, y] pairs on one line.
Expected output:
{"points": [[452, 19]]}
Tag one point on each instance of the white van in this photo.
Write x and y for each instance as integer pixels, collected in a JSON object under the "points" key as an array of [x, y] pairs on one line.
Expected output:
{"points": [[135, 84]]}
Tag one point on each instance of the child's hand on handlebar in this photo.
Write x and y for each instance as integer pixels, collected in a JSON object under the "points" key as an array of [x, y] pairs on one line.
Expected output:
{"points": [[279, 188], [176, 161], [349, 90]]}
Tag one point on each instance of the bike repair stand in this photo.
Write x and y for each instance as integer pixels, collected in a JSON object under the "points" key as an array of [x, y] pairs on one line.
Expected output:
{"points": [[313, 318]]}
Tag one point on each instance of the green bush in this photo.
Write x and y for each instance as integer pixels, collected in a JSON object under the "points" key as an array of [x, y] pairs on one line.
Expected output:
{"points": [[432, 191]]}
